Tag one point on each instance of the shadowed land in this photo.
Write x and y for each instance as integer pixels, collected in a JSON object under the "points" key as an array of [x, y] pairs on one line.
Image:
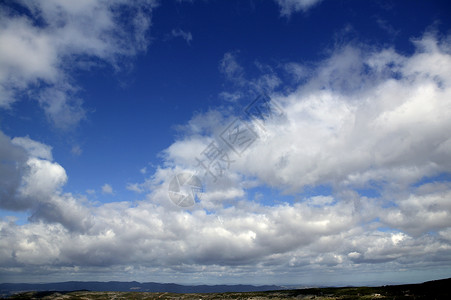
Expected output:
{"points": [[439, 289]]}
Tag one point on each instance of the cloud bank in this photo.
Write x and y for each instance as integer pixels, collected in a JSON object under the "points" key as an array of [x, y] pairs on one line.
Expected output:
{"points": [[369, 125]]}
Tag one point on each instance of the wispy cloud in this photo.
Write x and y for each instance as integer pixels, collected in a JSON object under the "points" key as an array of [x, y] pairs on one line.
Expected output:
{"points": [[186, 35], [244, 84], [143, 170], [107, 189], [76, 150], [230, 67], [35, 60], [135, 187], [287, 7], [383, 24]]}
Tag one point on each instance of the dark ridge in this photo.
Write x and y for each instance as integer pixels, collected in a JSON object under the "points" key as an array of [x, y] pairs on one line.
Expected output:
{"points": [[437, 289], [119, 286]]}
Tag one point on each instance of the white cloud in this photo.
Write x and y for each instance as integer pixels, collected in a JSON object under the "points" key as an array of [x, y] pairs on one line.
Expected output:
{"points": [[72, 36], [297, 71], [433, 209], [386, 134], [32, 182], [246, 86], [61, 107], [287, 7], [320, 200], [186, 35], [383, 24], [76, 150], [345, 128], [135, 187], [230, 67], [107, 189], [266, 241], [43, 179], [34, 148], [230, 97], [385, 128], [28, 174]]}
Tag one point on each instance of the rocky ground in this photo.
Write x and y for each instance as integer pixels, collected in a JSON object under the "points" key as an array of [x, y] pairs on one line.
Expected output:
{"points": [[324, 293]]}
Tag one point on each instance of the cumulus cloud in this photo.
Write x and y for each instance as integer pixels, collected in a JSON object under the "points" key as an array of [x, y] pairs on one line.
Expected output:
{"points": [[12, 163], [292, 239], [365, 119], [34, 148], [69, 36], [433, 208], [42, 179], [32, 182], [362, 120]]}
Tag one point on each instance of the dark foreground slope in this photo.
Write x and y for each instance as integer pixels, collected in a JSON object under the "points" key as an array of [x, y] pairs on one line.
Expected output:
{"points": [[133, 286], [439, 289]]}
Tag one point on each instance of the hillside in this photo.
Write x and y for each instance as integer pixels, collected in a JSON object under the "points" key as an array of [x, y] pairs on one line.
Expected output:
{"points": [[438, 289]]}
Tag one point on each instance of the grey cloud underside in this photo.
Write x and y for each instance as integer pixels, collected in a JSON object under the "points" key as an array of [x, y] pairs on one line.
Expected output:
{"points": [[12, 163], [385, 128]]}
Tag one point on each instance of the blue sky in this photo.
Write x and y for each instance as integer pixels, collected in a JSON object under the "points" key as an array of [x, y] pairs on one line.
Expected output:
{"points": [[103, 104]]}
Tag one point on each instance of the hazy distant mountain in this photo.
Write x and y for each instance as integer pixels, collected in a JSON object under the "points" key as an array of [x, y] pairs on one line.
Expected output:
{"points": [[438, 289], [119, 286]]}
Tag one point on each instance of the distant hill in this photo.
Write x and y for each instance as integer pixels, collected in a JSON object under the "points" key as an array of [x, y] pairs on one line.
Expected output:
{"points": [[439, 289], [133, 286]]}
